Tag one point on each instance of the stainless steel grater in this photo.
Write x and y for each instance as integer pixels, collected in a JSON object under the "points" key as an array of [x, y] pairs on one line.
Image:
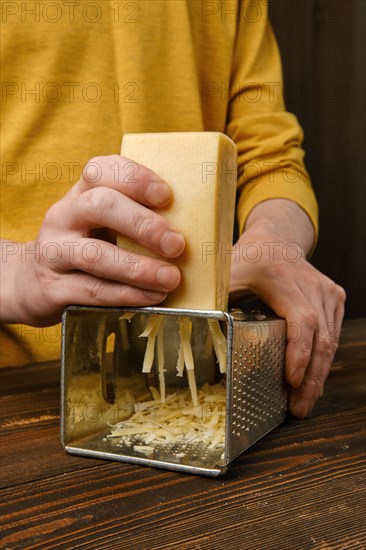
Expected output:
{"points": [[101, 364]]}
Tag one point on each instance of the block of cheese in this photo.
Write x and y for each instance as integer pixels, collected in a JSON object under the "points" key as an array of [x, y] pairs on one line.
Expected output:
{"points": [[201, 169]]}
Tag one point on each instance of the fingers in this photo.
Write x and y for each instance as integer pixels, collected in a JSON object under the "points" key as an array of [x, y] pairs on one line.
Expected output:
{"points": [[339, 298], [117, 194], [85, 289], [126, 176], [106, 261], [313, 307], [304, 397], [114, 194], [308, 382], [301, 325], [102, 207], [108, 208]]}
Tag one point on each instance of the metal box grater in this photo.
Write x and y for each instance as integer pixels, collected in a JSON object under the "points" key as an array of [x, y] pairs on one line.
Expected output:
{"points": [[96, 383]]}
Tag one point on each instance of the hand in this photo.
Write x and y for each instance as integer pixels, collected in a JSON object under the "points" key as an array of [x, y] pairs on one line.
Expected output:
{"points": [[72, 262], [276, 270]]}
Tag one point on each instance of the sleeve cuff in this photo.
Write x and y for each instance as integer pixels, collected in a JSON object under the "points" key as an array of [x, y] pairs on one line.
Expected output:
{"points": [[301, 192]]}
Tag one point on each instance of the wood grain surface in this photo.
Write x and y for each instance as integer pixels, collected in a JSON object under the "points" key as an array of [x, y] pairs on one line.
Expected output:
{"points": [[301, 487]]}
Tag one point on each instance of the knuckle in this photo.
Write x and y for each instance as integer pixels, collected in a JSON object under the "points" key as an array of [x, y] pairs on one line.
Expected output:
{"points": [[97, 201], [316, 280], [144, 227], [310, 318], [135, 272], [97, 160], [95, 290], [335, 290], [128, 295], [305, 351], [130, 172], [301, 356], [327, 347], [124, 295], [53, 214], [314, 386], [298, 353], [93, 169], [341, 294], [83, 263]]}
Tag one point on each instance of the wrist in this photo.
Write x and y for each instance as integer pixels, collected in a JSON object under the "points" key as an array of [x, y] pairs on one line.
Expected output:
{"points": [[14, 285], [260, 247], [9, 264], [282, 221]]}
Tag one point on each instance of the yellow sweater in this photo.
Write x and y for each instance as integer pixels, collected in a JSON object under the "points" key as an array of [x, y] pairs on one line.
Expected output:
{"points": [[77, 75]]}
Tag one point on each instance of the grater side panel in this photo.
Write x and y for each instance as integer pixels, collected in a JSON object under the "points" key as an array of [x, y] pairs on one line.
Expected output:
{"points": [[258, 392]]}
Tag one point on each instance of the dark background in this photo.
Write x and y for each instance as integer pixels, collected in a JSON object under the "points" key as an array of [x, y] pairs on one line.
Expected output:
{"points": [[322, 45]]}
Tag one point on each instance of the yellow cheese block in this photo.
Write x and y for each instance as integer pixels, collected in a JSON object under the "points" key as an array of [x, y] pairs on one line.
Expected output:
{"points": [[201, 169]]}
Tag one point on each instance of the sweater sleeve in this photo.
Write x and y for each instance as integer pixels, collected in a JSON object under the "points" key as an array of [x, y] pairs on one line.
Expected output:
{"points": [[269, 139]]}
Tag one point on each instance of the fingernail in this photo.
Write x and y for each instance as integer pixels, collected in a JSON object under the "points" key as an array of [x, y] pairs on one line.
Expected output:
{"points": [[168, 277], [172, 244], [158, 194], [155, 296], [301, 407], [298, 408]]}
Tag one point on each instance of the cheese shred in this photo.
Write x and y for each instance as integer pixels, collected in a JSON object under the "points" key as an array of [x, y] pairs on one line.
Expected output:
{"points": [[219, 342], [161, 361], [150, 332], [154, 332], [186, 417], [185, 327], [176, 421]]}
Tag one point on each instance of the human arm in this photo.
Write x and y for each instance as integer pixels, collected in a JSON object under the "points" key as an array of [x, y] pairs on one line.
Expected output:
{"points": [[71, 261], [278, 236], [277, 213]]}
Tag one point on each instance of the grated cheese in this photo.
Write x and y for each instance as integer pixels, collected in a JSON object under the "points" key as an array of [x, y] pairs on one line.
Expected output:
{"points": [[219, 342], [185, 327], [123, 320], [176, 421], [150, 332], [185, 417]]}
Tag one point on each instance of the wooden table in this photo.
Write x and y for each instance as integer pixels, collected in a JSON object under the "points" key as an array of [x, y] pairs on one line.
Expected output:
{"points": [[301, 487]]}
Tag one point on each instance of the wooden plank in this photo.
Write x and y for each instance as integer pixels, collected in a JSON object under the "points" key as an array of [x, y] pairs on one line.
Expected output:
{"points": [[302, 486], [346, 384], [30, 420], [302, 490], [36, 376], [30, 447]]}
